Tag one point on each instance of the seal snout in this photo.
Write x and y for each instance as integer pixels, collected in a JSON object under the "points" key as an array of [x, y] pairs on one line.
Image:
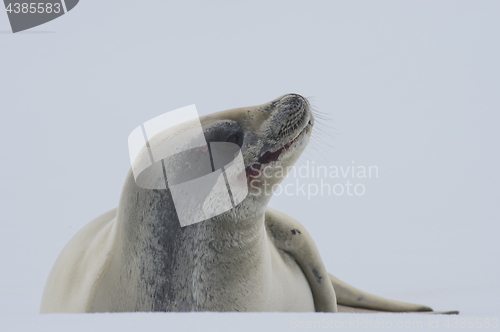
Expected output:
{"points": [[289, 120], [292, 115]]}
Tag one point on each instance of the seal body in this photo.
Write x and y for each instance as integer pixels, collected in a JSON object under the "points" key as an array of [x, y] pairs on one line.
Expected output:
{"points": [[137, 257]]}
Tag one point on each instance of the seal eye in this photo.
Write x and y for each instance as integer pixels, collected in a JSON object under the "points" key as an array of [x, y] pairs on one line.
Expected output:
{"points": [[234, 138]]}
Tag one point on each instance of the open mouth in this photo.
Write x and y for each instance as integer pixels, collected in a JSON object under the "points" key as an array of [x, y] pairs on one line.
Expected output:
{"points": [[268, 157], [273, 156]]}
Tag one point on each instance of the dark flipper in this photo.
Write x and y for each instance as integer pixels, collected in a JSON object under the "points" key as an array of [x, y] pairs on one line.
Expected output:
{"points": [[351, 299]]}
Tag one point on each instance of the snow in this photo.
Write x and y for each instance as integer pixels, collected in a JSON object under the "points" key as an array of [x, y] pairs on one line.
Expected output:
{"points": [[247, 322]]}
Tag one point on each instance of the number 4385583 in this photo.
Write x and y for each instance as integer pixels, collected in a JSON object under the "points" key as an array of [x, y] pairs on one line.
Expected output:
{"points": [[471, 322], [33, 8]]}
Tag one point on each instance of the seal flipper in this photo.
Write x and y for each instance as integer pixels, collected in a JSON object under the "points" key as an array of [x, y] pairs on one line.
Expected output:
{"points": [[351, 299], [291, 237], [345, 308]]}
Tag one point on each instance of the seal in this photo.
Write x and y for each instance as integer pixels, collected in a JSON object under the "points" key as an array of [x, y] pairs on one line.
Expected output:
{"points": [[137, 257]]}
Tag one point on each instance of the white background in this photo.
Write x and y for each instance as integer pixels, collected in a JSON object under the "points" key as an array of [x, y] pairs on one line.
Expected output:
{"points": [[411, 87]]}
